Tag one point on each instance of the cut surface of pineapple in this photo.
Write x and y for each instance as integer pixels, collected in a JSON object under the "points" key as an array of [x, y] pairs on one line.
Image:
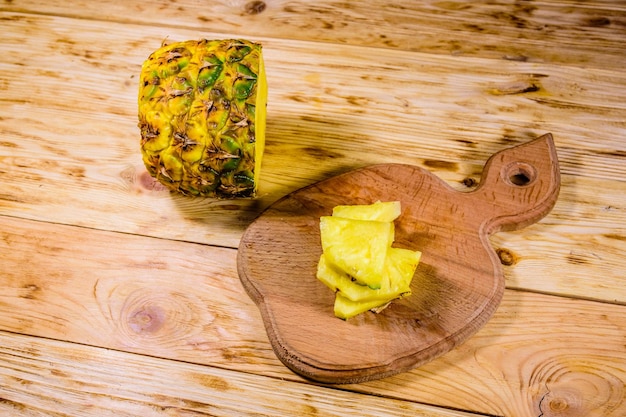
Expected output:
{"points": [[396, 277], [202, 111]]}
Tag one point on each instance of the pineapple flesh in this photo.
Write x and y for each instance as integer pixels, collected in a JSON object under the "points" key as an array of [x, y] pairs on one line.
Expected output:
{"points": [[399, 264], [358, 262], [202, 111], [358, 247], [379, 211]]}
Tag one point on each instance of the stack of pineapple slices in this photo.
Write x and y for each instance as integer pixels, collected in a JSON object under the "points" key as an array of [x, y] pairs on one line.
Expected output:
{"points": [[358, 262]]}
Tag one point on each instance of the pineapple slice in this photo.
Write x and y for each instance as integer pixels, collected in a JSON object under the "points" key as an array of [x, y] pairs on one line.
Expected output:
{"points": [[399, 267], [379, 211], [202, 116], [345, 309], [351, 246], [358, 247]]}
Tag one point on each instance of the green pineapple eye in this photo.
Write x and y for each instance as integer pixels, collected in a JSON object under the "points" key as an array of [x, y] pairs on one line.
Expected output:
{"points": [[251, 111], [183, 63], [238, 52], [210, 71], [246, 72], [231, 164], [244, 178], [244, 83], [150, 90], [230, 145], [243, 89]]}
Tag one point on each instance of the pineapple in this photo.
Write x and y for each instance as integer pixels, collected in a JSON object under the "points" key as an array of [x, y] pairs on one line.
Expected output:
{"points": [[358, 247], [382, 212], [396, 277], [202, 116], [345, 309], [358, 262]]}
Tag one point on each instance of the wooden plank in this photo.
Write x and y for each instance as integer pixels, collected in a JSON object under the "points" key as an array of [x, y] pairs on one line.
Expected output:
{"points": [[71, 155], [46, 377], [538, 356], [318, 115], [571, 102], [588, 34], [183, 301], [125, 291]]}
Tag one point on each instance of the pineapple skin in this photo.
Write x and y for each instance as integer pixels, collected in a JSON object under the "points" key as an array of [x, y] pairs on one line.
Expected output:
{"points": [[202, 116]]}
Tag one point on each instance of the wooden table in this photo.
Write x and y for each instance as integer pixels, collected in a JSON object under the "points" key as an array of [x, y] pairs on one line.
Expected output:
{"points": [[118, 298]]}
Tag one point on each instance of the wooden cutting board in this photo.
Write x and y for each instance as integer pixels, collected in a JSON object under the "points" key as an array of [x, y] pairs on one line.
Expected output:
{"points": [[457, 285]]}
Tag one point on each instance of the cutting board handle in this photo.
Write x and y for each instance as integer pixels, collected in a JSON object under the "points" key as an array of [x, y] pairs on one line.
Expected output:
{"points": [[519, 186]]}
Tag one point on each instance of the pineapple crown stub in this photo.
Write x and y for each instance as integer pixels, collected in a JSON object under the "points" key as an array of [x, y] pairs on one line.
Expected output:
{"points": [[197, 112]]}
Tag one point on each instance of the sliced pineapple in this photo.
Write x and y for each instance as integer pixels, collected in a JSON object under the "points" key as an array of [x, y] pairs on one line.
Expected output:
{"points": [[379, 211], [358, 247], [344, 308], [396, 278], [401, 264], [352, 246]]}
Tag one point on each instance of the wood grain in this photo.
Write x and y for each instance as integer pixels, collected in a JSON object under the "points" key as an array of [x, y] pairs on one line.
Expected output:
{"points": [[589, 35], [121, 291], [114, 297], [535, 359], [458, 283], [79, 164], [82, 381], [93, 252]]}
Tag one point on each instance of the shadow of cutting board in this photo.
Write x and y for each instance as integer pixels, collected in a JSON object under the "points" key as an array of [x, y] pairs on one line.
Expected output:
{"points": [[457, 285]]}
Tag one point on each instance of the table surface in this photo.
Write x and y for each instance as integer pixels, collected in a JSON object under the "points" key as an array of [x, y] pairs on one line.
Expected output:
{"points": [[119, 298]]}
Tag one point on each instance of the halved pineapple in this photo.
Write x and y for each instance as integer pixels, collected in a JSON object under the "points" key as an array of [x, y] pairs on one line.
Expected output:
{"points": [[355, 246], [202, 116]]}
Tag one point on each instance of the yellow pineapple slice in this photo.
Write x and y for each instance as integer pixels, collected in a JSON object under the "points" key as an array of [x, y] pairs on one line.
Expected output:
{"points": [[358, 262], [379, 211], [357, 247], [396, 278], [352, 298], [400, 266], [345, 308]]}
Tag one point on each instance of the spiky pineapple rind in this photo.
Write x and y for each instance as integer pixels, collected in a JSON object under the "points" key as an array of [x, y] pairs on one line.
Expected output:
{"points": [[198, 116]]}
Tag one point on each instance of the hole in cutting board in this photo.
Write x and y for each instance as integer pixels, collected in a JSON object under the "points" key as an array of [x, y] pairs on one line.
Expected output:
{"points": [[519, 174]]}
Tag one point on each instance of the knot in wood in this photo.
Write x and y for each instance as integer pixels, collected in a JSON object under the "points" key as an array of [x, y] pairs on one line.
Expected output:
{"points": [[147, 319], [159, 315], [565, 402], [255, 7], [507, 257]]}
